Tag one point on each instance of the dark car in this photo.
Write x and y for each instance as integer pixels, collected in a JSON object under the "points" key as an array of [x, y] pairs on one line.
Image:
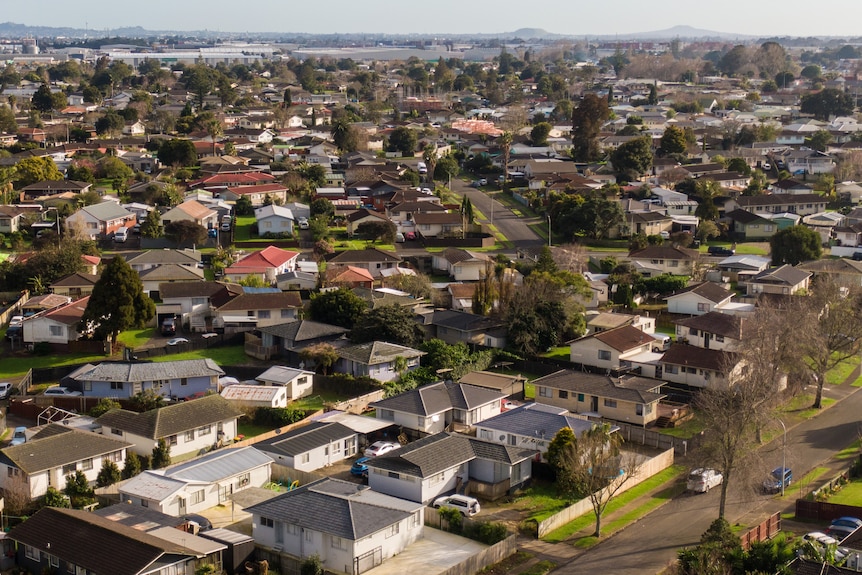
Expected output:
{"points": [[720, 251], [169, 326], [779, 476]]}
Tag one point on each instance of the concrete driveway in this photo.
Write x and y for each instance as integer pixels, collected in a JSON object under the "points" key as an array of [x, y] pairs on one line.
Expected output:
{"points": [[435, 553]]}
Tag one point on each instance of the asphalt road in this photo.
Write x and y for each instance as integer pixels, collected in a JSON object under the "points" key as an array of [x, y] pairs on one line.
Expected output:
{"points": [[651, 544]]}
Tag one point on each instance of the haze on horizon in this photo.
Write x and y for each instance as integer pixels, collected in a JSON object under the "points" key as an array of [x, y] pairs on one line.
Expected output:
{"points": [[762, 19]]}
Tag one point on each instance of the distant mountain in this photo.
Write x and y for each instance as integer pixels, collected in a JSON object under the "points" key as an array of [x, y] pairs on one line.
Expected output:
{"points": [[681, 32]]}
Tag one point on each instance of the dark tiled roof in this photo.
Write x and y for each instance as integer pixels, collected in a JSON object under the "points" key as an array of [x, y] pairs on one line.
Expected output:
{"points": [[160, 257], [463, 321], [785, 275], [744, 217], [711, 291], [779, 199], [632, 389], [144, 371], [663, 253], [535, 420], [303, 330], [75, 280], [305, 438], [93, 542], [256, 301], [173, 419], [456, 255], [191, 289], [715, 322], [624, 338], [57, 445], [691, 356], [440, 397]]}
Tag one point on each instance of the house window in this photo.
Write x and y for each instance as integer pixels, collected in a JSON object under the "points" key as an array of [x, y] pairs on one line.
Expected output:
{"points": [[386, 414], [117, 385], [580, 397], [563, 394], [69, 469], [31, 553], [87, 464], [115, 457], [172, 440], [199, 301], [198, 496], [145, 503], [205, 430], [243, 479], [671, 369], [184, 381], [286, 313], [292, 529], [309, 535], [604, 355], [393, 530], [674, 263], [393, 475], [513, 440], [692, 331], [305, 457], [486, 434], [639, 409], [115, 431], [263, 314], [56, 330], [414, 520], [691, 370], [266, 522], [190, 435], [610, 403], [719, 338], [338, 543], [545, 391], [701, 307]]}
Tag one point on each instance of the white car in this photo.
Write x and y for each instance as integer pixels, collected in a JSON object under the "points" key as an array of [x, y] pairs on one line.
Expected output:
{"points": [[177, 341], [16, 320], [303, 223], [702, 480], [468, 506], [380, 448], [61, 391]]}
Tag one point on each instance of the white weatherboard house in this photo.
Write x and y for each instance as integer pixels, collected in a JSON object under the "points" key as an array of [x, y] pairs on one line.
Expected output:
{"points": [[311, 446], [198, 484], [253, 396], [186, 427], [352, 530], [123, 380], [297, 382]]}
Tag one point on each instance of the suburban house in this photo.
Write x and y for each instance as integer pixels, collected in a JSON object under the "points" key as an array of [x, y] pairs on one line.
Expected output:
{"points": [[254, 396], [604, 321], [192, 211], [630, 399], [54, 452], [311, 446], [199, 484], [801, 204], [439, 406], [376, 359], [651, 223], [697, 367], [438, 224], [349, 277], [373, 259], [266, 264], [168, 273], [845, 271], [99, 221], [45, 545], [10, 219], [297, 382], [59, 325], [357, 218], [531, 426], [151, 259], [275, 220], [122, 380], [288, 339], [511, 386], [444, 462], [194, 302], [783, 280], [712, 330], [257, 194], [461, 296], [186, 427], [253, 309], [359, 529], [736, 268], [612, 349], [750, 227], [657, 260], [698, 299], [455, 327], [462, 265], [75, 285]]}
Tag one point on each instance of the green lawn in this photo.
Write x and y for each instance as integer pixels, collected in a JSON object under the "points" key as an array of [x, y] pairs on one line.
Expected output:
{"points": [[248, 429], [136, 337], [838, 374], [850, 451], [529, 391], [752, 249], [793, 490], [228, 355], [850, 494], [242, 230], [800, 406], [316, 402], [686, 430], [541, 500], [4, 256], [561, 352], [17, 366]]}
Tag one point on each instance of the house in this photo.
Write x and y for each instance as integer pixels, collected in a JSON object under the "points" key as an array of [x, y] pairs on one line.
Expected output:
{"points": [[748, 226], [613, 348], [200, 483], [665, 259], [53, 188], [254, 396], [194, 301], [439, 406], [845, 271], [737, 268], [441, 463], [134, 129], [99, 221], [274, 219], [531, 426], [373, 259], [461, 296], [455, 327], [311, 446], [801, 204], [462, 265], [630, 399], [349, 277], [438, 224], [784, 280], [377, 359], [257, 194], [697, 367], [289, 338], [54, 452], [257, 309], [42, 303], [154, 278], [712, 330], [604, 321], [698, 299], [122, 380], [192, 211], [354, 528], [11, 218], [511, 386], [297, 280], [75, 285], [361, 216], [297, 382], [45, 544], [60, 325], [648, 223], [150, 259], [266, 263], [186, 427]]}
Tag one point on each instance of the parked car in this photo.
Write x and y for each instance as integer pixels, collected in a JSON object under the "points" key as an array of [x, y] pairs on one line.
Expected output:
{"points": [[61, 391], [303, 223], [16, 320], [720, 251], [821, 539], [779, 476], [483, 182], [169, 326], [202, 522], [177, 341], [5, 389], [399, 238], [121, 235], [410, 236], [225, 227], [19, 436], [848, 522], [701, 480], [380, 448], [468, 506], [360, 466], [839, 532], [212, 233]]}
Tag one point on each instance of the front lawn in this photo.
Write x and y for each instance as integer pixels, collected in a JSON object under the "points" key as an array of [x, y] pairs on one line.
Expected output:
{"points": [[316, 402], [685, 430], [242, 230], [136, 337], [840, 373], [17, 366], [850, 494], [227, 355]]}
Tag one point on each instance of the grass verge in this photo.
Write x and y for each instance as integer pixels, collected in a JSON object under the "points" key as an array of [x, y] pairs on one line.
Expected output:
{"points": [[849, 452], [840, 373], [793, 490], [686, 430], [850, 494]]}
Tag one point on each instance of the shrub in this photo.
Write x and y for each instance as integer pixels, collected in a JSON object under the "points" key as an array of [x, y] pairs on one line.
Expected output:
{"points": [[452, 517], [487, 532], [277, 416]]}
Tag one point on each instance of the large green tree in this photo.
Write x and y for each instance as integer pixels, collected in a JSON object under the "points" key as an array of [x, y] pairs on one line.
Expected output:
{"points": [[402, 139], [673, 141], [632, 159], [794, 245], [539, 134], [178, 152], [36, 169], [828, 102], [118, 301], [587, 121], [391, 323], [339, 307], [593, 216], [42, 100], [152, 226], [185, 232]]}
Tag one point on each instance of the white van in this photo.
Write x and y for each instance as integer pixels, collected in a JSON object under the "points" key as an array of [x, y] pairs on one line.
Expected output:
{"points": [[121, 235], [661, 343], [422, 168]]}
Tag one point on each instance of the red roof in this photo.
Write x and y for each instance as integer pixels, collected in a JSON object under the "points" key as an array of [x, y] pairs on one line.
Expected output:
{"points": [[258, 189], [240, 179], [270, 257]]}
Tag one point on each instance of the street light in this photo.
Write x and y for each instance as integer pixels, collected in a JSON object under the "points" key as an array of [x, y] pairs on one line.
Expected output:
{"points": [[549, 230], [783, 457]]}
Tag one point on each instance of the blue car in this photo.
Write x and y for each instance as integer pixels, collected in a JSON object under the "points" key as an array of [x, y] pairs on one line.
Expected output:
{"points": [[359, 466], [212, 232]]}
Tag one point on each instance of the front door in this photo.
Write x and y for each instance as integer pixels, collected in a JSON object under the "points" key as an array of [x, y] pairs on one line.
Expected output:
{"points": [[594, 403]]}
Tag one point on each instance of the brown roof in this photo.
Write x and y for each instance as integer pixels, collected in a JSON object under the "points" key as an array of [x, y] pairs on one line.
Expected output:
{"points": [[709, 290], [70, 313], [691, 356], [633, 389], [436, 218], [624, 338], [247, 301], [462, 291], [664, 253], [715, 322], [75, 280], [195, 209]]}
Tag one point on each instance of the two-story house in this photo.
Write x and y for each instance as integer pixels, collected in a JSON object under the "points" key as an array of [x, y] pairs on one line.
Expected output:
{"points": [[297, 382], [698, 367], [99, 221], [373, 259], [257, 309], [611, 349], [195, 301]]}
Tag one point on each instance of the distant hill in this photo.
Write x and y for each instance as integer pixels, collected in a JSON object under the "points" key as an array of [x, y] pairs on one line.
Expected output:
{"points": [[682, 32]]}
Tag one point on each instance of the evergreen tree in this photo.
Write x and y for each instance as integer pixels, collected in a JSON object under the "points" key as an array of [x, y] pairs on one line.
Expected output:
{"points": [[152, 226], [118, 301], [132, 466], [161, 455], [109, 474]]}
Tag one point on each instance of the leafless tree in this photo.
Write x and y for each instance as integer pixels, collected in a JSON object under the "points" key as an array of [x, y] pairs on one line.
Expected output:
{"points": [[16, 495], [570, 257]]}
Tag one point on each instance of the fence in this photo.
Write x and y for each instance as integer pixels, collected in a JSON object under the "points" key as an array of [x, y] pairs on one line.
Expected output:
{"points": [[572, 512], [287, 475], [767, 529], [650, 438], [14, 307], [807, 506], [358, 404], [493, 554], [270, 434]]}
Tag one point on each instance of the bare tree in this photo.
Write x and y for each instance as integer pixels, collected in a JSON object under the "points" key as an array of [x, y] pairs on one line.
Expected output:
{"points": [[16, 495]]}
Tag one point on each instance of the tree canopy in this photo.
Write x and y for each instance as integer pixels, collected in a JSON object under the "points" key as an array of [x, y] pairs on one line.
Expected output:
{"points": [[587, 121], [828, 102], [390, 323], [794, 245], [185, 232], [632, 159], [339, 307], [118, 301]]}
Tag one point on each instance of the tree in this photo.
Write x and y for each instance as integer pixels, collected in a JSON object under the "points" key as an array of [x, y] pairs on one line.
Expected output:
{"points": [[322, 207], [794, 245], [738, 165], [707, 230], [147, 400], [152, 226], [78, 490], [53, 498], [505, 143], [375, 230], [199, 80], [322, 355], [109, 474], [8, 123], [345, 135], [539, 133], [161, 455], [402, 139], [820, 140], [243, 206], [593, 216], [673, 141], [706, 192], [311, 566], [132, 466], [587, 121], [118, 301], [105, 405], [185, 232], [826, 103], [110, 124], [390, 323], [42, 99], [177, 153], [594, 466], [811, 72], [652, 99], [32, 170], [339, 307], [633, 158]]}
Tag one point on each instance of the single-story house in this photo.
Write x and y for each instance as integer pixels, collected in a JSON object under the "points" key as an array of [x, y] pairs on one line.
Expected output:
{"points": [[192, 211], [289, 338], [712, 330], [257, 309], [98, 221], [273, 219], [173, 379], [784, 280], [267, 264], [254, 396], [455, 327], [665, 259], [748, 226], [59, 325], [696, 367], [462, 265], [698, 299], [511, 386], [311, 446], [611, 349], [376, 359], [297, 382], [372, 259], [75, 285]]}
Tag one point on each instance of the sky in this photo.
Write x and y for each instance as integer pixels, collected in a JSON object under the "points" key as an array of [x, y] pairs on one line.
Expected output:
{"points": [[570, 17]]}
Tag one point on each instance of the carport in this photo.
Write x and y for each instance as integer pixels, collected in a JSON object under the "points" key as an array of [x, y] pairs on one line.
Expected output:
{"points": [[435, 553]]}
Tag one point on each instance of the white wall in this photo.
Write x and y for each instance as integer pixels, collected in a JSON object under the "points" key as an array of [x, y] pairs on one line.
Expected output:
{"points": [[144, 445]]}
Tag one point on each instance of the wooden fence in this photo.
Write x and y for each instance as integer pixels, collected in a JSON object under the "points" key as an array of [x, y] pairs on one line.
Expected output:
{"points": [[493, 554], [823, 511], [767, 529], [358, 404]]}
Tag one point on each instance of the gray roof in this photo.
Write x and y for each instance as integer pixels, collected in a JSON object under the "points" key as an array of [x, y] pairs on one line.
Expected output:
{"points": [[173, 419], [463, 321], [305, 438], [280, 374], [172, 272], [363, 256], [138, 517], [631, 389], [784, 275], [709, 290], [58, 445], [219, 465], [302, 330], [536, 420], [159, 257], [342, 509], [142, 371], [107, 211], [377, 352], [152, 485], [440, 397]]}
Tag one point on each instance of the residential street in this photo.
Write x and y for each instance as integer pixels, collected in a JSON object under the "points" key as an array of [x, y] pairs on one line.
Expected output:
{"points": [[649, 545]]}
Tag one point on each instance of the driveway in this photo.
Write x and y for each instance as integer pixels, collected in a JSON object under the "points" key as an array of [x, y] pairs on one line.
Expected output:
{"points": [[435, 553]]}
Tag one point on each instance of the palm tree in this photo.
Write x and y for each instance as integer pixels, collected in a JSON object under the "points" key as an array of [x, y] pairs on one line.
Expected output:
{"points": [[214, 129], [505, 141]]}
